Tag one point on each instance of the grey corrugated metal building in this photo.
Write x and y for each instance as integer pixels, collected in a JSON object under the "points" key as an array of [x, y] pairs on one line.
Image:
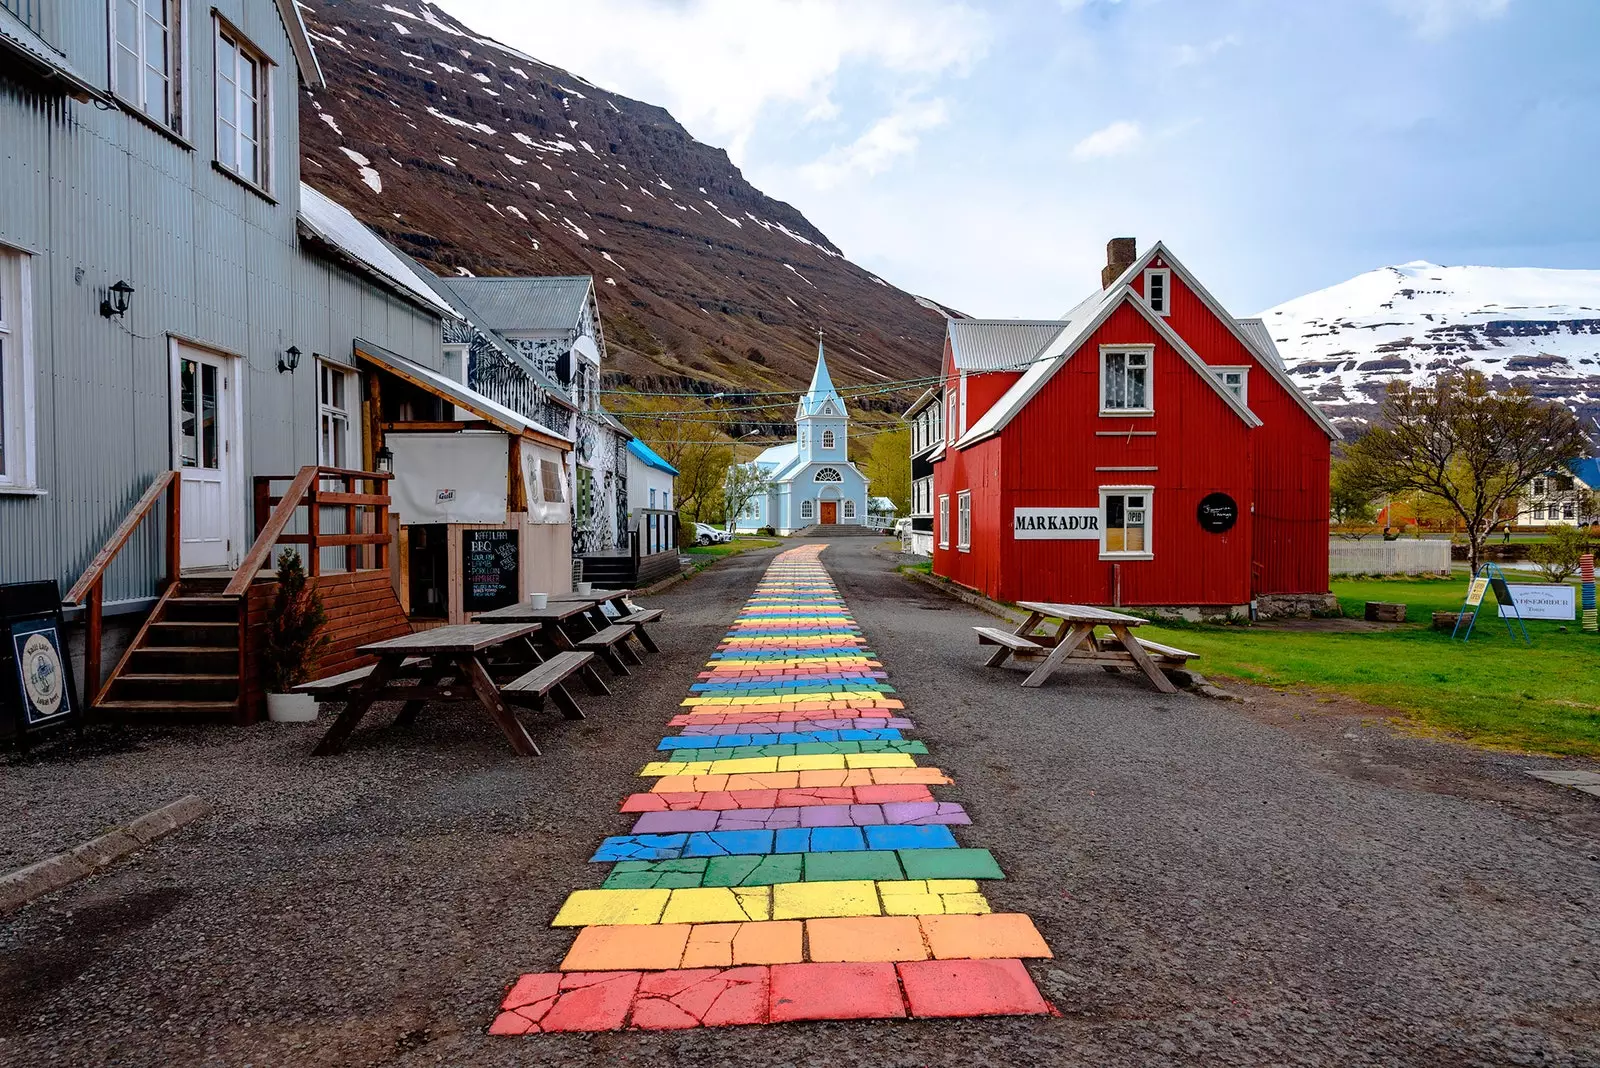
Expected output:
{"points": [[159, 147]]}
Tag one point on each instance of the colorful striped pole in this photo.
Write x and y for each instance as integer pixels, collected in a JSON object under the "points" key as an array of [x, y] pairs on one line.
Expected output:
{"points": [[788, 860]]}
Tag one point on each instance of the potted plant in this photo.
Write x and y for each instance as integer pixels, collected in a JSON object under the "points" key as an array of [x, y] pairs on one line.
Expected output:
{"points": [[294, 641]]}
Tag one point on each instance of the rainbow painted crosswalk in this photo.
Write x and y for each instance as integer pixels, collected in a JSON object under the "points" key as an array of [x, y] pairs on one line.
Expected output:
{"points": [[788, 860]]}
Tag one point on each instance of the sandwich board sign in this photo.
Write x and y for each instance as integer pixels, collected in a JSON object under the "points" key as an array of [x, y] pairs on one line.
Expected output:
{"points": [[1490, 577]]}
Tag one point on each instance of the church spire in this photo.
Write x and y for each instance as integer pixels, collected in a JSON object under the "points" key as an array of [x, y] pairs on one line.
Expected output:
{"points": [[821, 390]]}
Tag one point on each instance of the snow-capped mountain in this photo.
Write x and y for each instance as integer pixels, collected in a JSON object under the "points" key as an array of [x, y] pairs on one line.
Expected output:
{"points": [[1530, 326]]}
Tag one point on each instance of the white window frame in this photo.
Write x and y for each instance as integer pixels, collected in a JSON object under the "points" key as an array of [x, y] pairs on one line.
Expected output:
{"points": [[950, 417], [177, 62], [1149, 352], [652, 496], [1221, 373], [838, 476], [964, 521], [847, 509], [1165, 307], [963, 405], [18, 413], [806, 509], [943, 522], [244, 51], [350, 413], [828, 440], [1539, 485], [1148, 492]]}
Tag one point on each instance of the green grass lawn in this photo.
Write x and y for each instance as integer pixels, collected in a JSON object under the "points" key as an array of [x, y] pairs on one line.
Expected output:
{"points": [[1493, 690], [712, 552]]}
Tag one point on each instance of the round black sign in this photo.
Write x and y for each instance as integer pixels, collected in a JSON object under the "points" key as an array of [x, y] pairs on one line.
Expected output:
{"points": [[1217, 513]]}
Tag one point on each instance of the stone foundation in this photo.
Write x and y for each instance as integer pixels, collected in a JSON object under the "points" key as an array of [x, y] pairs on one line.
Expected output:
{"points": [[1296, 606], [1193, 613]]}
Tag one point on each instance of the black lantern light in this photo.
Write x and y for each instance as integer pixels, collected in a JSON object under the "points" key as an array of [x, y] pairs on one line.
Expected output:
{"points": [[289, 360], [385, 460], [116, 302]]}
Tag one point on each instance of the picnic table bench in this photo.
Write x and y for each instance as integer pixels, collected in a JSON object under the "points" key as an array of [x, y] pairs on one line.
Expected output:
{"points": [[453, 663], [1074, 639], [626, 615]]}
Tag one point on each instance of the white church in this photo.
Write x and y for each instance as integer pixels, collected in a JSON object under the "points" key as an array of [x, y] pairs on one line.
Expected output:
{"points": [[810, 481]]}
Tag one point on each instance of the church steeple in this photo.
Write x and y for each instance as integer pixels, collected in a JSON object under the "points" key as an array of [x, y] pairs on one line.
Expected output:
{"points": [[820, 419]]}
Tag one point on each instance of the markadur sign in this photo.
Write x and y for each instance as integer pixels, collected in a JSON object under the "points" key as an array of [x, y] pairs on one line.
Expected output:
{"points": [[1056, 524]]}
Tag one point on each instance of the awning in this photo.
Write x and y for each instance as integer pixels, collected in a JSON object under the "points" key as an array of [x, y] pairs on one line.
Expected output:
{"points": [[20, 41], [492, 412]]}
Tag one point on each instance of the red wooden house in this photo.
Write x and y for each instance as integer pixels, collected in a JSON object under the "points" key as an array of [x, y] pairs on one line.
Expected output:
{"points": [[1147, 449]]}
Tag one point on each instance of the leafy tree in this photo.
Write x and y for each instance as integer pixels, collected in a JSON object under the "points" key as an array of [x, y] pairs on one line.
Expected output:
{"points": [[694, 444], [1457, 441], [888, 467], [1558, 555], [1350, 504], [745, 482]]}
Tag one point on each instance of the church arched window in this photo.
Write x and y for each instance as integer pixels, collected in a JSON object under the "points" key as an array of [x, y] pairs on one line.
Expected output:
{"points": [[805, 508], [827, 439], [828, 474], [849, 509]]}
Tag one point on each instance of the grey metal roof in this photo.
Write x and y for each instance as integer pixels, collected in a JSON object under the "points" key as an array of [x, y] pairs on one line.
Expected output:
{"points": [[509, 305], [333, 225], [1256, 332], [17, 38], [1000, 344]]}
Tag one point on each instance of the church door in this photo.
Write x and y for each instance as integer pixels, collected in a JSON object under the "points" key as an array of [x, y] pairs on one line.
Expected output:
{"points": [[830, 512]]}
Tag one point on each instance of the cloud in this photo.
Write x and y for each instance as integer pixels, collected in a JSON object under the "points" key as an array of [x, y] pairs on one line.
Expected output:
{"points": [[1187, 55], [1119, 138], [896, 134], [1435, 18], [723, 66]]}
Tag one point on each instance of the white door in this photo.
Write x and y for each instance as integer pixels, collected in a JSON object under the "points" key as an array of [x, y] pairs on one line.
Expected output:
{"points": [[204, 426]]}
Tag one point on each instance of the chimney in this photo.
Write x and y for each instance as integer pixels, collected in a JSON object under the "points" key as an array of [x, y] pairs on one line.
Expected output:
{"points": [[1120, 254]]}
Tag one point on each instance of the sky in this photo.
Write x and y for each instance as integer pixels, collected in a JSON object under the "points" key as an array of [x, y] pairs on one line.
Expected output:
{"points": [[982, 153]]}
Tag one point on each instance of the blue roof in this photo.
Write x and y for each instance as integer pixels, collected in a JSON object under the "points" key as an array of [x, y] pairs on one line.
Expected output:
{"points": [[1588, 470], [649, 458], [821, 389]]}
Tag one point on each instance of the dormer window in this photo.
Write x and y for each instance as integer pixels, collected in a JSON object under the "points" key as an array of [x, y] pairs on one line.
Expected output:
{"points": [[1158, 290], [827, 439], [1235, 380], [827, 409]]}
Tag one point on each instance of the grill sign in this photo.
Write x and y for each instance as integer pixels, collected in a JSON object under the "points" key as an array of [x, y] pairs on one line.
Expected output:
{"points": [[1056, 524], [1217, 513]]}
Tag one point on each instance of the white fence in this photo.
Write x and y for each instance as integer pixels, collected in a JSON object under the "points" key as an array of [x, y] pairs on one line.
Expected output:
{"points": [[917, 542], [1374, 556]]}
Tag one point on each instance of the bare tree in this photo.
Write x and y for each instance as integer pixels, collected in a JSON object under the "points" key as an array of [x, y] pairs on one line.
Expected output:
{"points": [[1459, 442]]}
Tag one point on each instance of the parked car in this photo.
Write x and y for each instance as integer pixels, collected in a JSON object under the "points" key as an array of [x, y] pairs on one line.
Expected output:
{"points": [[902, 526], [706, 534]]}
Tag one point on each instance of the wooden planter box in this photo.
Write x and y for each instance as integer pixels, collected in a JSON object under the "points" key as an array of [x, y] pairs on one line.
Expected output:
{"points": [[1385, 612], [1446, 620]]}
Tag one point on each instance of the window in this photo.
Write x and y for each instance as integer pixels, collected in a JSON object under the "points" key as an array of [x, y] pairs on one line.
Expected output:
{"points": [[242, 115], [964, 520], [1569, 510], [16, 373], [336, 399], [963, 404], [1562, 483], [1538, 510], [147, 38], [827, 440], [944, 521], [849, 509], [1235, 380], [652, 496], [1539, 486], [1157, 291], [1125, 380], [550, 481], [585, 496], [666, 498], [950, 416], [805, 508], [805, 439], [1125, 521], [828, 474]]}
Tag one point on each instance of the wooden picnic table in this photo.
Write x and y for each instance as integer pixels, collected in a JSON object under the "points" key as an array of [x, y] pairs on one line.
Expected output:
{"points": [[563, 607], [432, 656], [1074, 638]]}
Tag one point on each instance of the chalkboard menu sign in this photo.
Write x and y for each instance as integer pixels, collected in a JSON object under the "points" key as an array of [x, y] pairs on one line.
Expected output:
{"points": [[489, 569]]}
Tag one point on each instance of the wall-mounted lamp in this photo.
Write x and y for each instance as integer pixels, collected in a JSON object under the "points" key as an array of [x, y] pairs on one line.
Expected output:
{"points": [[385, 460], [116, 302], [289, 360]]}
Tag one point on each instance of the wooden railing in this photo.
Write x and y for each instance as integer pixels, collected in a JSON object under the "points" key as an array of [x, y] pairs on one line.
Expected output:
{"points": [[89, 590], [315, 489]]}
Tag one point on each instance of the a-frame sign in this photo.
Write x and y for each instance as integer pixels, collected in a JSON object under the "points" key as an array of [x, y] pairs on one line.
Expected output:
{"points": [[1489, 577]]}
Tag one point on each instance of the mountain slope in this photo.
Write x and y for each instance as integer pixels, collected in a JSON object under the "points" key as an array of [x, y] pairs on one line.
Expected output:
{"points": [[1528, 326], [474, 157]]}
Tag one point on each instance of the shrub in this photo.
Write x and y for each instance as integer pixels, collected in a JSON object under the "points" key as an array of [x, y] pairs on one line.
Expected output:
{"points": [[294, 639], [1557, 556]]}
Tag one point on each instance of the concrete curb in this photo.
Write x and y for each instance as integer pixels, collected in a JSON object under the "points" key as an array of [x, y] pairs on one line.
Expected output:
{"points": [[62, 870], [1189, 680]]}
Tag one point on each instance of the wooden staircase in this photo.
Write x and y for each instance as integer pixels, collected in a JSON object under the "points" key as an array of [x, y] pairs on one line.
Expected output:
{"points": [[184, 664], [195, 659]]}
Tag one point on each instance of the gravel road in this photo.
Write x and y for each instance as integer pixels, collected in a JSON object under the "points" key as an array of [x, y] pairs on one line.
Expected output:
{"points": [[1281, 882]]}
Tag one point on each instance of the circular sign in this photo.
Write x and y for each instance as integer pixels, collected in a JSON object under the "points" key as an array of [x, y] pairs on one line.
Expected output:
{"points": [[1217, 513], [42, 677]]}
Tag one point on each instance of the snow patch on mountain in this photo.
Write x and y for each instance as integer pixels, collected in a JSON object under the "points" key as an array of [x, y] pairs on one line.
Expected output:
{"points": [[1530, 326]]}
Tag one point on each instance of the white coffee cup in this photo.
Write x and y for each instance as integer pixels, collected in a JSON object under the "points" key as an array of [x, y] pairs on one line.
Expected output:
{"points": [[539, 600], [584, 588]]}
